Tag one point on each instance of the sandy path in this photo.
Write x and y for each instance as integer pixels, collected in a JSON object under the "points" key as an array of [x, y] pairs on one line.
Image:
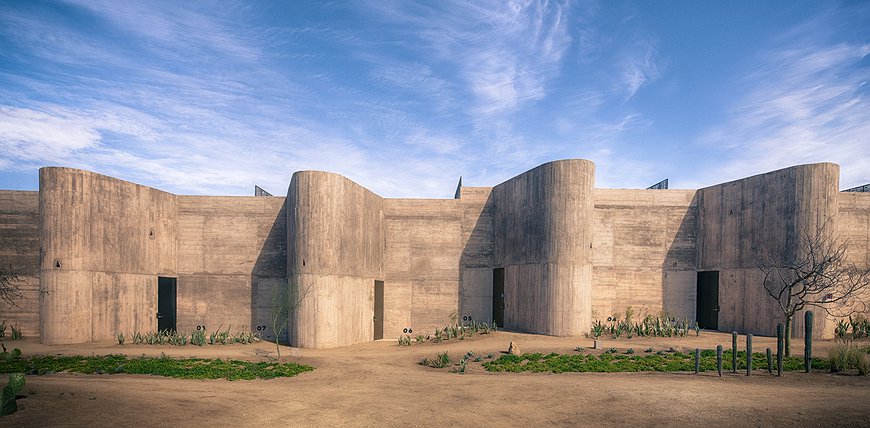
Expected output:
{"points": [[376, 384]]}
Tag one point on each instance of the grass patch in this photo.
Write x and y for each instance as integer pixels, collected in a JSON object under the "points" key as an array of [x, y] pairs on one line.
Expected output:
{"points": [[608, 362], [187, 368]]}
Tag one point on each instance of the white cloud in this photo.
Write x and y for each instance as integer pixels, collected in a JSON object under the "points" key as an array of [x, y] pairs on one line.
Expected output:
{"points": [[35, 135], [639, 67], [807, 103]]}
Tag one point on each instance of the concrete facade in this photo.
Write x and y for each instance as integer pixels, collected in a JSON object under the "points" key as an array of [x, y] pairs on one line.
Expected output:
{"points": [[569, 252]]}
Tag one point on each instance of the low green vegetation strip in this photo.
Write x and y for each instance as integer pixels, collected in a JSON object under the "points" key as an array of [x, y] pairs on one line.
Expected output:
{"points": [[188, 368], [662, 362]]}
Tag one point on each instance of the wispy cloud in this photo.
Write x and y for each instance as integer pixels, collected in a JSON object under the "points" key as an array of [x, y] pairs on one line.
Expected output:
{"points": [[807, 102]]}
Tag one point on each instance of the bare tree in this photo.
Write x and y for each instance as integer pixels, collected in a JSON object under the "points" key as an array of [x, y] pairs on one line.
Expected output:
{"points": [[10, 287], [285, 301], [816, 274]]}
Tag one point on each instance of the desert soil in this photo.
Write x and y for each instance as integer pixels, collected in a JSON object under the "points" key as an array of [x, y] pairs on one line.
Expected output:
{"points": [[381, 384]]}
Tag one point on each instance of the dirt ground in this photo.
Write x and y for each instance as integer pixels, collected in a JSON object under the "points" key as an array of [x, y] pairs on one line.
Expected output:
{"points": [[381, 384]]}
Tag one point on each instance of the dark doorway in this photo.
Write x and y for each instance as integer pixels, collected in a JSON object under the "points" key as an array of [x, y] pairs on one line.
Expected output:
{"points": [[165, 304], [708, 300], [379, 310], [498, 296]]}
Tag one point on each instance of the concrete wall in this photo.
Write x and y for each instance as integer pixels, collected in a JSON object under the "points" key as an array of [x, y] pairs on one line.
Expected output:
{"points": [[104, 242], [232, 254], [476, 262], [423, 248], [644, 252], [19, 254], [741, 221], [853, 224], [542, 225], [335, 252]]}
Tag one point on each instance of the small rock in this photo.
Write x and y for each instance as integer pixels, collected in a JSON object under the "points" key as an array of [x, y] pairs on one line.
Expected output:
{"points": [[513, 349]]}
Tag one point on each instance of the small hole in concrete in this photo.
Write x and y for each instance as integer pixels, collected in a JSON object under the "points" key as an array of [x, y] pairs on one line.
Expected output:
{"points": [[303, 262], [151, 233], [57, 264]]}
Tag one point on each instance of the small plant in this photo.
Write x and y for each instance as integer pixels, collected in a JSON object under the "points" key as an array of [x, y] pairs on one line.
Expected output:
{"points": [[404, 340], [8, 405], [846, 356], [579, 349], [16, 333], [438, 362], [463, 362], [420, 338], [610, 351], [489, 356], [629, 351], [3, 329], [597, 329], [648, 350], [121, 338], [478, 359], [697, 329]]}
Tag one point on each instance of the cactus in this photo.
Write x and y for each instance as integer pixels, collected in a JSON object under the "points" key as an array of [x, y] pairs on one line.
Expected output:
{"points": [[8, 405], [17, 382], [769, 362], [733, 352], [748, 354], [719, 359], [808, 341], [697, 360], [779, 349]]}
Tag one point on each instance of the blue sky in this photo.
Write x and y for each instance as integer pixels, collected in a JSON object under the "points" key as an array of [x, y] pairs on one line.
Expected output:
{"points": [[404, 97]]}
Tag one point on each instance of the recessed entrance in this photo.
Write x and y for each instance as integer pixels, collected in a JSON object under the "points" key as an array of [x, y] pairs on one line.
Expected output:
{"points": [[166, 303], [707, 312], [498, 296], [379, 310]]}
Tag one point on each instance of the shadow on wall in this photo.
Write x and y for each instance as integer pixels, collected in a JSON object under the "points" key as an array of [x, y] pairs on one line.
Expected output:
{"points": [[679, 274], [269, 274], [476, 261]]}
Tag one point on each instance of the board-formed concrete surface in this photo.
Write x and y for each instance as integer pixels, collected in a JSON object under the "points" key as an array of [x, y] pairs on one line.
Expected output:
{"points": [[95, 246]]}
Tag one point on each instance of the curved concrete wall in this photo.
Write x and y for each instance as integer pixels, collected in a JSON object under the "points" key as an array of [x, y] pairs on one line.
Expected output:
{"points": [[739, 221], [104, 241], [335, 251], [543, 239]]}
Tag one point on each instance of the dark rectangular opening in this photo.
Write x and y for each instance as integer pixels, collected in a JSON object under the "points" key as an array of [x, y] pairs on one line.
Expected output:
{"points": [[707, 312], [166, 292], [379, 310], [498, 296]]}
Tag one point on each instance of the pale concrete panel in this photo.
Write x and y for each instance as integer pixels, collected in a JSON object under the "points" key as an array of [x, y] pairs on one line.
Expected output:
{"points": [[338, 311], [335, 242], [100, 235], [397, 308], [475, 297], [543, 224], [214, 301]]}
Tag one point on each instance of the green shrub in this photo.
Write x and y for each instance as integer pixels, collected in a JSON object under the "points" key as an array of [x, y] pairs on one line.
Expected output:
{"points": [[188, 368], [608, 362]]}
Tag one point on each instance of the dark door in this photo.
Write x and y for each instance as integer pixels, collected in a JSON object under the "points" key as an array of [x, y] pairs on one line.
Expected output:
{"points": [[165, 303], [498, 296], [708, 300], [379, 310]]}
